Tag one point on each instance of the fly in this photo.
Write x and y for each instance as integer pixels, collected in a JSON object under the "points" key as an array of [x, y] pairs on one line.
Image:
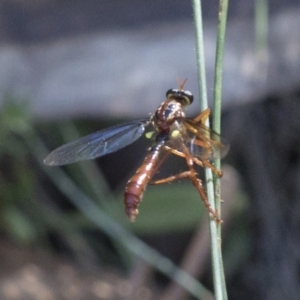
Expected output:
{"points": [[174, 134]]}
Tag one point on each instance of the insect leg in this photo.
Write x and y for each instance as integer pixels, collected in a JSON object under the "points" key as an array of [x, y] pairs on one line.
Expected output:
{"points": [[216, 171], [203, 116], [181, 154], [181, 175], [192, 174], [198, 184], [200, 163], [203, 137]]}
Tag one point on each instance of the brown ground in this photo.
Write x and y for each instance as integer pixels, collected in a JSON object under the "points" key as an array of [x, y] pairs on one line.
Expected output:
{"points": [[28, 274]]}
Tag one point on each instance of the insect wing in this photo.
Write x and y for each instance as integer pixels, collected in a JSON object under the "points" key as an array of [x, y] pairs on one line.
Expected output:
{"points": [[97, 144], [203, 142]]}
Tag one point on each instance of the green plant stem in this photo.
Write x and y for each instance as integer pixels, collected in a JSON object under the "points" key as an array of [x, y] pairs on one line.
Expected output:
{"points": [[261, 25], [223, 8], [217, 264], [216, 123], [200, 55]]}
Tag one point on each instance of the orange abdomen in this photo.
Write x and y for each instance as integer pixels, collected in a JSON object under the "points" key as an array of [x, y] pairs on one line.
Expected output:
{"points": [[136, 185]]}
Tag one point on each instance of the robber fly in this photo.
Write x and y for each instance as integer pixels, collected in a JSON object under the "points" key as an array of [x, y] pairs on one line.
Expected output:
{"points": [[174, 134]]}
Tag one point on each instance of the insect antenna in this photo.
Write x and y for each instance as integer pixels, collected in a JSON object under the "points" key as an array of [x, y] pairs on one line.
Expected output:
{"points": [[181, 83]]}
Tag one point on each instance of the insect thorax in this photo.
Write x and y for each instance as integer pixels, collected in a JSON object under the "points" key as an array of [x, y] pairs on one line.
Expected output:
{"points": [[166, 114]]}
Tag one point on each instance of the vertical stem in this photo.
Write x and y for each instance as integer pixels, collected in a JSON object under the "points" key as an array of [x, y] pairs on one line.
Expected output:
{"points": [[216, 123], [200, 55], [217, 265], [261, 25]]}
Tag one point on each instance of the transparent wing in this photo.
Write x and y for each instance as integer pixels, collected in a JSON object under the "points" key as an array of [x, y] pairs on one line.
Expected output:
{"points": [[201, 141], [97, 144]]}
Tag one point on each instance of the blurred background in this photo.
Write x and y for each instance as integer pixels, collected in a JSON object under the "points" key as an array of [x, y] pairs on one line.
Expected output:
{"points": [[69, 68]]}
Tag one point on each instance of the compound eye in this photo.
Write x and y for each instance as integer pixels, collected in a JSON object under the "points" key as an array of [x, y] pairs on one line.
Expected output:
{"points": [[171, 93], [188, 97], [184, 97]]}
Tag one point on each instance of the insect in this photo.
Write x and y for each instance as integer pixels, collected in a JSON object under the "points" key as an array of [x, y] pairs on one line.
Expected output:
{"points": [[174, 133]]}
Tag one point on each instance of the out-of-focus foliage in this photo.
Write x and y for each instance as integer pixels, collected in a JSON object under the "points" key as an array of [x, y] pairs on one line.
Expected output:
{"points": [[17, 180]]}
